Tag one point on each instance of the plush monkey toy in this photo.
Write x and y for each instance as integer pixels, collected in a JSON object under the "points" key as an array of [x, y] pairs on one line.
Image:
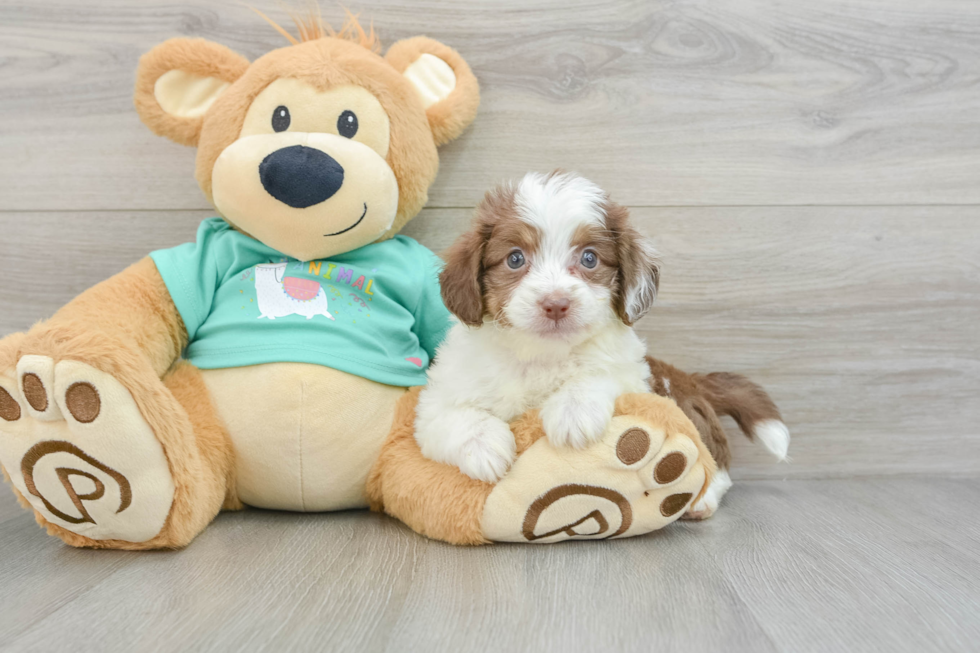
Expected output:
{"points": [[268, 363]]}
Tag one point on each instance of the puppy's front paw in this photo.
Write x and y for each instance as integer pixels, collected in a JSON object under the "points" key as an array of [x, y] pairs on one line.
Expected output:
{"points": [[489, 453], [576, 419]]}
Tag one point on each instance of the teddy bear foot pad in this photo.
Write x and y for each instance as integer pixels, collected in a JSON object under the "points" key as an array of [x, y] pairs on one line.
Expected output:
{"points": [[77, 448], [634, 480]]}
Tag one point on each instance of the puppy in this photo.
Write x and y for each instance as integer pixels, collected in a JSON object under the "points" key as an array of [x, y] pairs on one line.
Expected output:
{"points": [[546, 286]]}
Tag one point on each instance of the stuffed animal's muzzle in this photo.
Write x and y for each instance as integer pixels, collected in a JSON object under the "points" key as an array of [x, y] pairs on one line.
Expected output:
{"points": [[307, 195]]}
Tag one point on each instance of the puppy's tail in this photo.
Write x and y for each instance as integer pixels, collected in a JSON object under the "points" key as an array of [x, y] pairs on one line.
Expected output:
{"points": [[750, 406]]}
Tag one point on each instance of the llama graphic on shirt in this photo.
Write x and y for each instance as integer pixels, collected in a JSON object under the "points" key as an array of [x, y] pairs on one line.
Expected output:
{"points": [[279, 297]]}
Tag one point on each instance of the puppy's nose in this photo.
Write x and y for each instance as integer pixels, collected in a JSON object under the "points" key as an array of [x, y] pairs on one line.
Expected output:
{"points": [[555, 307], [301, 176]]}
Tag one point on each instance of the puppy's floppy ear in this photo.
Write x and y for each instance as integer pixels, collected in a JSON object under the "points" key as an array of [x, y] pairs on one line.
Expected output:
{"points": [[179, 80], [639, 266], [461, 279], [445, 84]]}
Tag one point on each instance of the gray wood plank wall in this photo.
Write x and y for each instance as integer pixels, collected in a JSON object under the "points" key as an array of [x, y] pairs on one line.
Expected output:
{"points": [[810, 171]]}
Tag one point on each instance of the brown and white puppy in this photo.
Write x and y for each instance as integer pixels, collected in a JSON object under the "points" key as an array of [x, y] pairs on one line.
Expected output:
{"points": [[546, 287]]}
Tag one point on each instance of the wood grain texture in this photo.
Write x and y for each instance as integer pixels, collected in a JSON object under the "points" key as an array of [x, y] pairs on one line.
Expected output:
{"points": [[662, 102], [855, 565], [39, 574], [901, 584], [861, 322]]}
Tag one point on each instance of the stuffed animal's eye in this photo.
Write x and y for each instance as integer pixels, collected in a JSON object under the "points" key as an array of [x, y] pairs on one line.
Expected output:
{"points": [[281, 119], [347, 124], [515, 259], [589, 259]]}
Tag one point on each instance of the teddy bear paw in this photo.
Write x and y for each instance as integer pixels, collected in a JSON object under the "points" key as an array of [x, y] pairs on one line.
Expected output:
{"points": [[77, 448], [635, 479]]}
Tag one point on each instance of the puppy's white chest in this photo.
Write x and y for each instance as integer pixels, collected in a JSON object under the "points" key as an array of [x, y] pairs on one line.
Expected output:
{"points": [[529, 384]]}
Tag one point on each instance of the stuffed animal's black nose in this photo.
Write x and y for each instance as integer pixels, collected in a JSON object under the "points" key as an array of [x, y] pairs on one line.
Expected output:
{"points": [[300, 176]]}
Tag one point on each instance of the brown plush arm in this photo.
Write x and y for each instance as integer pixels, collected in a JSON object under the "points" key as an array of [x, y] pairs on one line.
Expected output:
{"points": [[132, 310]]}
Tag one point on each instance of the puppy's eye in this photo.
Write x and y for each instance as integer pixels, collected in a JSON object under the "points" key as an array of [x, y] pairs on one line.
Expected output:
{"points": [[515, 259], [589, 259], [281, 119], [347, 124]]}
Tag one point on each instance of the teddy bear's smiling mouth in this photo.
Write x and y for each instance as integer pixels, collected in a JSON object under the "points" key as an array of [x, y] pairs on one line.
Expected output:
{"points": [[343, 231]]}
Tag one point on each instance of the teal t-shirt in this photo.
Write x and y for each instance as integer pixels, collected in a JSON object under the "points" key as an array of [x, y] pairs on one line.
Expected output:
{"points": [[375, 312]]}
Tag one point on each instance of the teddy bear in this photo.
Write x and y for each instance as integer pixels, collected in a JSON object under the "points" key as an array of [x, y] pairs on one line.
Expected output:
{"points": [[270, 362]]}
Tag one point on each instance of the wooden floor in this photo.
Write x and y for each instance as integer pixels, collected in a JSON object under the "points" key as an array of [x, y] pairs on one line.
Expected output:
{"points": [[810, 172], [839, 565]]}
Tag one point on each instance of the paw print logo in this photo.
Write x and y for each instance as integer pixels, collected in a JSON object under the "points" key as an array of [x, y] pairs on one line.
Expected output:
{"points": [[592, 524]]}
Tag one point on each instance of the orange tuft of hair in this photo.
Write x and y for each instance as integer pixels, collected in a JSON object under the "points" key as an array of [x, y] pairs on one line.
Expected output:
{"points": [[311, 26]]}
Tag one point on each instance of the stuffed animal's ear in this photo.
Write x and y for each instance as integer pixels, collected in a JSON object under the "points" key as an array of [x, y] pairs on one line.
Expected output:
{"points": [[445, 83], [179, 80]]}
